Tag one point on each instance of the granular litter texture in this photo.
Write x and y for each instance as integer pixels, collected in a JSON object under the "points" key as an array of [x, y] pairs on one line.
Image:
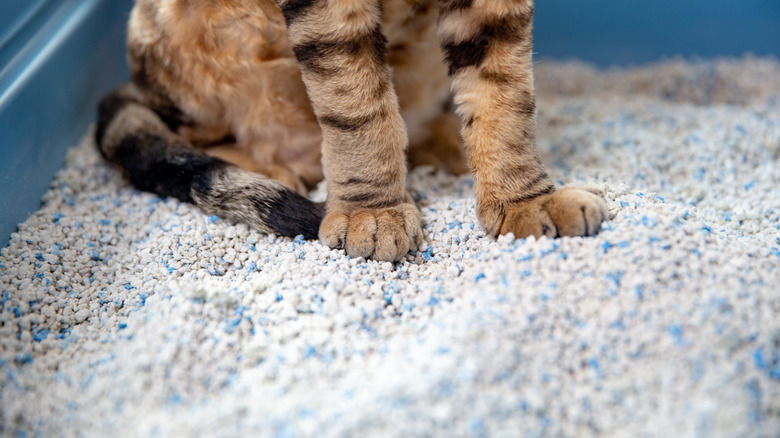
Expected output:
{"points": [[124, 314]]}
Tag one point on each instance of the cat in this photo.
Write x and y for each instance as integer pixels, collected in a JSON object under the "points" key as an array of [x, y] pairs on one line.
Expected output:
{"points": [[240, 106]]}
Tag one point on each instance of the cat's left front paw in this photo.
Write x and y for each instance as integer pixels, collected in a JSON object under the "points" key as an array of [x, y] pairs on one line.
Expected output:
{"points": [[570, 211]]}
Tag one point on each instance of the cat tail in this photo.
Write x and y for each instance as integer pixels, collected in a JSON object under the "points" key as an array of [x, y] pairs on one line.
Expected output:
{"points": [[136, 139]]}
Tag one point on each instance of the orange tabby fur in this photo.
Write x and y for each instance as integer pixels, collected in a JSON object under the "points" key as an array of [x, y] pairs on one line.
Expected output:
{"points": [[345, 89]]}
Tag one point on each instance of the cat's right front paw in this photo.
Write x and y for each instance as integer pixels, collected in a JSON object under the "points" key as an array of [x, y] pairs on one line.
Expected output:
{"points": [[384, 234]]}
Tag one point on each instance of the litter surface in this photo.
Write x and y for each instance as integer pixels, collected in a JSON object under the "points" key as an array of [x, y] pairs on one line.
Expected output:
{"points": [[124, 314]]}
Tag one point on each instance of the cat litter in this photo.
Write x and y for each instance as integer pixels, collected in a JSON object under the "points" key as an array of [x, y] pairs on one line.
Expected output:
{"points": [[124, 314]]}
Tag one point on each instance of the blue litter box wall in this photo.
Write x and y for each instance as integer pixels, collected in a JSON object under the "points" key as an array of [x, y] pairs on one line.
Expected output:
{"points": [[609, 32], [58, 57]]}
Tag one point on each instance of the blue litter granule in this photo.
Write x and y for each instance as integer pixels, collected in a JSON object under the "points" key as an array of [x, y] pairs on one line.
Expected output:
{"points": [[57, 216], [23, 358], [391, 290], [122, 326], [593, 363], [750, 185], [213, 219], [648, 221], [549, 250], [615, 277], [39, 257], [309, 352], [40, 335], [768, 363], [606, 246], [618, 324], [232, 323], [676, 331], [477, 426], [479, 276], [445, 389], [693, 138], [279, 296], [754, 389], [433, 301]]}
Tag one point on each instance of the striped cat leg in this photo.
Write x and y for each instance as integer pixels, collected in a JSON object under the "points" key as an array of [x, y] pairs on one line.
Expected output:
{"points": [[487, 45], [136, 139], [342, 54]]}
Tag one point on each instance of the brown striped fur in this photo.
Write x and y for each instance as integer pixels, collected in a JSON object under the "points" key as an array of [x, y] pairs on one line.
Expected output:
{"points": [[346, 90]]}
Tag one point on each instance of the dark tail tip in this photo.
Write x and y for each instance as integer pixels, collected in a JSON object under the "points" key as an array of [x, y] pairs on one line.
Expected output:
{"points": [[290, 214]]}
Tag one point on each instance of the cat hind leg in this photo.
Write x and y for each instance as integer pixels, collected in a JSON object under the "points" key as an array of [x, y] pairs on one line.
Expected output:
{"points": [[153, 158]]}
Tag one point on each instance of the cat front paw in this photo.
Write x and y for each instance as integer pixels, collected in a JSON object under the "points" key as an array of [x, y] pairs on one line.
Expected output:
{"points": [[384, 234], [570, 211]]}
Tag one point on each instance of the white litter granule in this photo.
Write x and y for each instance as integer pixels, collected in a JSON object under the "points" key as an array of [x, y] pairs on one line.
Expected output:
{"points": [[123, 314]]}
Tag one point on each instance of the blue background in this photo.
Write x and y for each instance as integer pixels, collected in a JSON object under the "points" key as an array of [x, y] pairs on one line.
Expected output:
{"points": [[638, 31], [57, 57]]}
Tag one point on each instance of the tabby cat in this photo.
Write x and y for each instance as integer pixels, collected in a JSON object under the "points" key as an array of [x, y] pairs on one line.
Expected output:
{"points": [[239, 106]]}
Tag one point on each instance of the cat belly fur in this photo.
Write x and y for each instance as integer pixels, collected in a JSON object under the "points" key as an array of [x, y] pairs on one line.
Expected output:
{"points": [[229, 67]]}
